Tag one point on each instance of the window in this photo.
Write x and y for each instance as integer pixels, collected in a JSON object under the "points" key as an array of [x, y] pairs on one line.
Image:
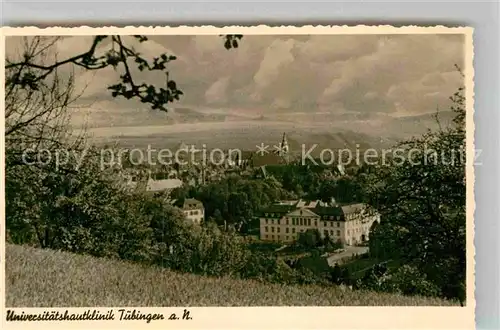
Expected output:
{"points": [[278, 229], [331, 232], [308, 222], [286, 238], [272, 229], [338, 232], [266, 229], [338, 223], [286, 230], [315, 223], [287, 221], [325, 232], [293, 221], [293, 230], [324, 223], [272, 236], [331, 224], [267, 221]]}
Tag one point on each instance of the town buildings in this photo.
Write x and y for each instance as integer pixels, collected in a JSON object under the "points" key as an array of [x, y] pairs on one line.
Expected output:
{"points": [[349, 224]]}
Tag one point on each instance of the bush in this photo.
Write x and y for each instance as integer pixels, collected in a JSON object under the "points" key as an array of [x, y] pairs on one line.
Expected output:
{"points": [[409, 280], [406, 280], [310, 239]]}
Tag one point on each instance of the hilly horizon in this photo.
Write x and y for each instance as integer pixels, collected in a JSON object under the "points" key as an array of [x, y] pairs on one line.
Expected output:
{"points": [[211, 132], [245, 138]]}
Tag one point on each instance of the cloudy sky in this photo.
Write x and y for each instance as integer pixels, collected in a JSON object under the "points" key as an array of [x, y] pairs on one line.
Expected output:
{"points": [[323, 79]]}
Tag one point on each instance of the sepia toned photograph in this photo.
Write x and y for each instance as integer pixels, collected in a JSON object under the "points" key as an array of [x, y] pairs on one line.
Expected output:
{"points": [[255, 169]]}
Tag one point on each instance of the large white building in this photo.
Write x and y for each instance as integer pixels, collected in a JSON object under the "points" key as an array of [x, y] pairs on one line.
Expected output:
{"points": [[349, 224]]}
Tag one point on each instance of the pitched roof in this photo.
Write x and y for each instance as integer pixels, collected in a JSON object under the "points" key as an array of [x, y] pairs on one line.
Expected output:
{"points": [[278, 208], [161, 185], [314, 207], [328, 210], [303, 211], [191, 203], [353, 208], [309, 204]]}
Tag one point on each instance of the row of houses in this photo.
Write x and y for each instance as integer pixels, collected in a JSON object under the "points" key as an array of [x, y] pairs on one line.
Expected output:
{"points": [[349, 223]]}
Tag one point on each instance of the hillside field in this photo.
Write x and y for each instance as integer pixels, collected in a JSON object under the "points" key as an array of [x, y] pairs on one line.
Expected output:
{"points": [[45, 278]]}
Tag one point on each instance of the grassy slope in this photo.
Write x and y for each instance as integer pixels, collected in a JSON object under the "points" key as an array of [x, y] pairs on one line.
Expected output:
{"points": [[45, 278]]}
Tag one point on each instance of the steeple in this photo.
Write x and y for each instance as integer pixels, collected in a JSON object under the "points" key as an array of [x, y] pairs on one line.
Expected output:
{"points": [[283, 146]]}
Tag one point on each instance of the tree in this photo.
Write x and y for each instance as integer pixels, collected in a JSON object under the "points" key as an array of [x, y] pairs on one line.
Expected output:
{"points": [[75, 204], [336, 274], [311, 239], [422, 202]]}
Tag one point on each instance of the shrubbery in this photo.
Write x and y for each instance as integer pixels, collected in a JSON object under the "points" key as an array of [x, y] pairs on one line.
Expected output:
{"points": [[407, 280], [88, 211]]}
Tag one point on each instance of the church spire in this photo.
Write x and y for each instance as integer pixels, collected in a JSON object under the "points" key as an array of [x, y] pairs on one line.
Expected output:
{"points": [[283, 146]]}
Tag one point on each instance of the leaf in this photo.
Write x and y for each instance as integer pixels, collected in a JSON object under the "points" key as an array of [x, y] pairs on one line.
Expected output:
{"points": [[172, 85]]}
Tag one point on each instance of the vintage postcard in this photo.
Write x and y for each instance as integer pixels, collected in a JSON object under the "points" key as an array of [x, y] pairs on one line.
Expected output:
{"points": [[238, 177]]}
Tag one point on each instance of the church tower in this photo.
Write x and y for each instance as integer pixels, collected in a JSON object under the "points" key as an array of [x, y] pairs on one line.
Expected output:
{"points": [[283, 147]]}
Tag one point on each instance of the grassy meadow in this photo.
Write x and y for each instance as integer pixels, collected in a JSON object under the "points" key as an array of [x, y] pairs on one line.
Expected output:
{"points": [[46, 278]]}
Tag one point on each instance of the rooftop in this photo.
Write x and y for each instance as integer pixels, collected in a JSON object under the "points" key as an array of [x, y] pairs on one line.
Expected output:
{"points": [[318, 207], [161, 185], [191, 203]]}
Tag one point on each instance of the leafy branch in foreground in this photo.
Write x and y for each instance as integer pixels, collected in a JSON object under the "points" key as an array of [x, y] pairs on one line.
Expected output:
{"points": [[29, 74]]}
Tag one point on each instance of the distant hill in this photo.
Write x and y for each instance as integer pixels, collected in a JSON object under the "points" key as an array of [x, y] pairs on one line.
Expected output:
{"points": [[247, 137], [416, 125], [193, 127], [46, 278]]}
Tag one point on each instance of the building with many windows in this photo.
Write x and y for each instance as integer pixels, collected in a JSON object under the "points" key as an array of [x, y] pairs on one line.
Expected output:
{"points": [[349, 224]]}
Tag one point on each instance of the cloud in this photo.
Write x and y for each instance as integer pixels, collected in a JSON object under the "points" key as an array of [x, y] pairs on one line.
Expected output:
{"points": [[217, 92], [347, 76]]}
